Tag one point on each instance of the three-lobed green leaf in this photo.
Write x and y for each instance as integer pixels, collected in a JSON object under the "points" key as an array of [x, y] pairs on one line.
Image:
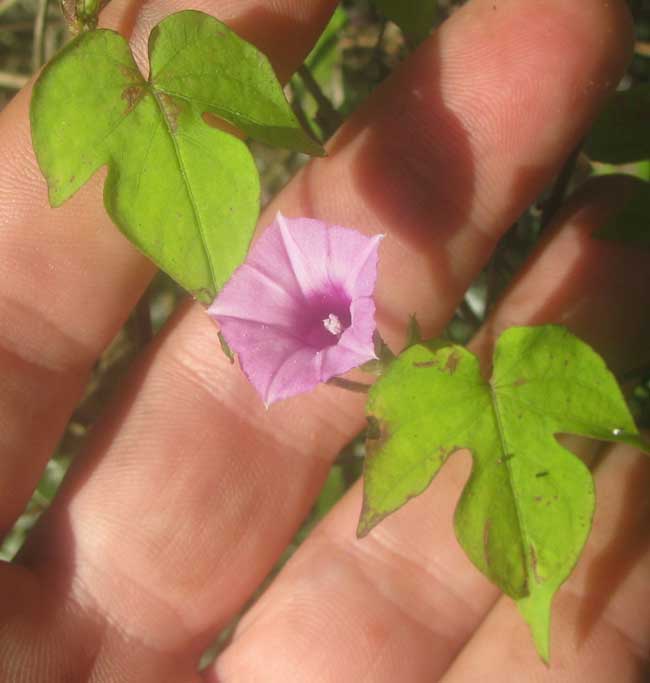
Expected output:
{"points": [[526, 510], [185, 193]]}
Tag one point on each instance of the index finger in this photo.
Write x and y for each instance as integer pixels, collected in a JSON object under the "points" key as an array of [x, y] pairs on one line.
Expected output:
{"points": [[68, 278]]}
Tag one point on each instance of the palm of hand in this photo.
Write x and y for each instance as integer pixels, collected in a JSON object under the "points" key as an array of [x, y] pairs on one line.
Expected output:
{"points": [[188, 491]]}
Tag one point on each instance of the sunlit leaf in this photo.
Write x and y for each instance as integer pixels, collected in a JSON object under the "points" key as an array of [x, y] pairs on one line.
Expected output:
{"points": [[527, 507], [185, 193]]}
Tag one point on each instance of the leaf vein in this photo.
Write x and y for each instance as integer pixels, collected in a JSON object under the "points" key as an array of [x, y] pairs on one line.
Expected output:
{"points": [[188, 188]]}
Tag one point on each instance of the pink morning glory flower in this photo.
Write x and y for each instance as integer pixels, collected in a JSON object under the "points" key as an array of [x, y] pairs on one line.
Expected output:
{"points": [[300, 311]]}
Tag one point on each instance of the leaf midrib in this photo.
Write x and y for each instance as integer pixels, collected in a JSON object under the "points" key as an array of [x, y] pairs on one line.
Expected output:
{"points": [[523, 535], [179, 159]]}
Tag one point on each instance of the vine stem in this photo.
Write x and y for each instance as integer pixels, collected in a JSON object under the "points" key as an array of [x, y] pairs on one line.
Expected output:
{"points": [[327, 115], [300, 113], [349, 385]]}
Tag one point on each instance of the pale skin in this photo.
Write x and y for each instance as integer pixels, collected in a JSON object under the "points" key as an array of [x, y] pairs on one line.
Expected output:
{"points": [[188, 490]]}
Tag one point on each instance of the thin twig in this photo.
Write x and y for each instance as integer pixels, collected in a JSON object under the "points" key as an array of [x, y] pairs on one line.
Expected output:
{"points": [[329, 119], [12, 81], [560, 187], [38, 51], [357, 387]]}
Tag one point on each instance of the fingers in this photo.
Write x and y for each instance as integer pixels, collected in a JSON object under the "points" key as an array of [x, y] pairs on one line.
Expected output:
{"points": [[402, 602], [190, 490], [452, 149], [601, 624], [69, 278]]}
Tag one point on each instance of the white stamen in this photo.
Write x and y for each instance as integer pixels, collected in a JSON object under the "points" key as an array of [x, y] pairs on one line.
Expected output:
{"points": [[333, 325]]}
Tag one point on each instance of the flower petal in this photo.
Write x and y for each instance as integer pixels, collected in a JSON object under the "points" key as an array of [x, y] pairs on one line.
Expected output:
{"points": [[266, 354], [297, 374], [353, 260], [256, 296], [306, 245]]}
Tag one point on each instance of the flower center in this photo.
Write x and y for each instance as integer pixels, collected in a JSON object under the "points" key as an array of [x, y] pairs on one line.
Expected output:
{"points": [[324, 319], [333, 325]]}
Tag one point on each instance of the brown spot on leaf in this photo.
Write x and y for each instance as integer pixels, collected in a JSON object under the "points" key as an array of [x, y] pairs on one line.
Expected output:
{"points": [[425, 363], [376, 436], [215, 121], [519, 381], [132, 95], [533, 564], [129, 72], [171, 109], [452, 362]]}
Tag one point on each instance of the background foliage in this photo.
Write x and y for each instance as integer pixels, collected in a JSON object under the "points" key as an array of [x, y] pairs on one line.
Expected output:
{"points": [[356, 52]]}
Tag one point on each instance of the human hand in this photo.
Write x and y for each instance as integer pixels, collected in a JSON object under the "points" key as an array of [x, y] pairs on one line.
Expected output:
{"points": [[188, 490]]}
